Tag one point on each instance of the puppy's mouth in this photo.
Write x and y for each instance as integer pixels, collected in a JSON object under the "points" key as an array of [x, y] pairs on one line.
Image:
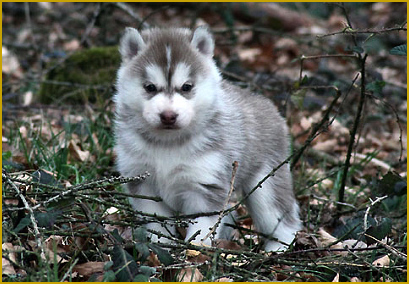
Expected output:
{"points": [[168, 127]]}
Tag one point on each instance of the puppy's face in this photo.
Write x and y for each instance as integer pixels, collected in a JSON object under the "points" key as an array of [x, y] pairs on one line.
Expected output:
{"points": [[166, 76]]}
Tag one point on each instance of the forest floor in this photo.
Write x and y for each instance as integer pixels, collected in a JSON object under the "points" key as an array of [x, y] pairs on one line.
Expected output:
{"points": [[65, 216]]}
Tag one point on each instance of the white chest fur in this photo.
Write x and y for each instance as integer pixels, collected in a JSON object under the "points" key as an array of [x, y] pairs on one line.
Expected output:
{"points": [[174, 170]]}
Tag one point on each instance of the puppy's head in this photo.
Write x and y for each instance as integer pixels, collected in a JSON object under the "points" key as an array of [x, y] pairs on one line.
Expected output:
{"points": [[167, 77]]}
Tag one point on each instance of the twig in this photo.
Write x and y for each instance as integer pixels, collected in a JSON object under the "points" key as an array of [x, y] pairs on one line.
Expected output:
{"points": [[327, 249], [344, 9], [233, 176], [354, 130], [315, 130], [38, 237], [375, 161], [128, 9], [393, 250], [378, 199], [69, 271], [312, 57], [29, 25], [397, 121], [90, 185], [349, 31], [91, 24]]}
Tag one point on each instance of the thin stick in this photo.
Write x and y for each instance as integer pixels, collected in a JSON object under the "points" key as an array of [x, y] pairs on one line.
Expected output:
{"points": [[369, 208], [393, 250], [233, 177], [353, 131], [348, 31], [33, 220]]}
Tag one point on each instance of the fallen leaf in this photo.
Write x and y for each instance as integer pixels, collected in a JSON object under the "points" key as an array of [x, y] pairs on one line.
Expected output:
{"points": [[192, 253], [336, 278], [305, 123], [226, 244], [383, 261], [10, 63], [325, 237], [89, 268], [224, 279], [7, 268], [326, 146], [249, 54], [77, 153], [153, 260], [354, 244], [72, 45], [54, 245], [10, 250], [189, 275]]}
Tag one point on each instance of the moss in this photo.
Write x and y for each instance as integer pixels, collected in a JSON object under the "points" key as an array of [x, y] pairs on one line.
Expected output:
{"points": [[85, 76]]}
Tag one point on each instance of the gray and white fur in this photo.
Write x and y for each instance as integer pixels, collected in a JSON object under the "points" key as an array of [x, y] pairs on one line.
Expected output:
{"points": [[179, 120]]}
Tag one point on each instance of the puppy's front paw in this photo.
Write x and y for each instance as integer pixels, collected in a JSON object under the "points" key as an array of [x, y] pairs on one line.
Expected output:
{"points": [[273, 246]]}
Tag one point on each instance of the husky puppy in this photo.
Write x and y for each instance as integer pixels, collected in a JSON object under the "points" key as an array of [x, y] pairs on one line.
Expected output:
{"points": [[179, 120]]}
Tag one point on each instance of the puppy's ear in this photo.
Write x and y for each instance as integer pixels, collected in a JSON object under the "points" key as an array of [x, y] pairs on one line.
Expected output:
{"points": [[131, 44], [203, 41]]}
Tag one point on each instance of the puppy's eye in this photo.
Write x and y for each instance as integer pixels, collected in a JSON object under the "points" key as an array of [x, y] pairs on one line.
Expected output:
{"points": [[150, 88], [187, 87]]}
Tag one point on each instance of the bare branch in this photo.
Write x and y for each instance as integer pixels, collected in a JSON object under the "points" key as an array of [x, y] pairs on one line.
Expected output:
{"points": [[354, 130], [349, 31], [233, 176], [30, 210]]}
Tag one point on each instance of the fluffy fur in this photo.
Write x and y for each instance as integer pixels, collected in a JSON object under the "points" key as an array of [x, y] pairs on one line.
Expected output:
{"points": [[177, 119]]}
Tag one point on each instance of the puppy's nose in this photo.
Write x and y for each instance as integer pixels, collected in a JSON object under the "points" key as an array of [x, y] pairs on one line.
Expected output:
{"points": [[168, 117]]}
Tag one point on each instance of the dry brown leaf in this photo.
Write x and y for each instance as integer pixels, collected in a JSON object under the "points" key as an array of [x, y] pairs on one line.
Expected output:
{"points": [[196, 256], [195, 253], [14, 202], [27, 98], [189, 275], [10, 64], [276, 271], [348, 244], [96, 141], [54, 245], [305, 123], [11, 250], [325, 237], [338, 129], [226, 244], [383, 279], [249, 54], [153, 260], [326, 146], [336, 278], [192, 253], [72, 45], [224, 279], [77, 153], [354, 244], [327, 184], [89, 268], [7, 268], [383, 261], [307, 240]]}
